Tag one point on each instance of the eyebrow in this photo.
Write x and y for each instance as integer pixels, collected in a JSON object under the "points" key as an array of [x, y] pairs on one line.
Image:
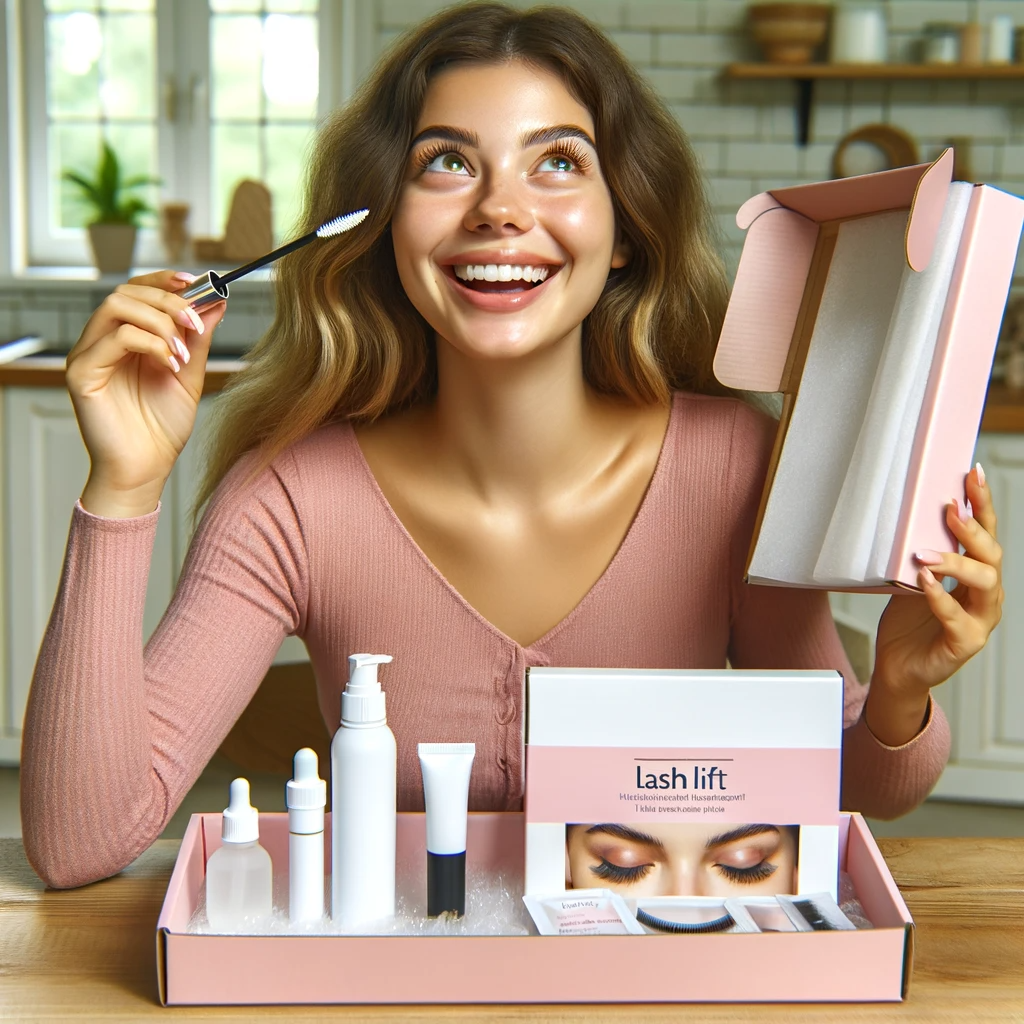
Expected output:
{"points": [[535, 137], [743, 832], [624, 832]]}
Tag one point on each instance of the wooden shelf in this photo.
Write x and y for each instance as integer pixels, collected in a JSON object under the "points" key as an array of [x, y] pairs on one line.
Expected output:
{"points": [[933, 72], [804, 76]]}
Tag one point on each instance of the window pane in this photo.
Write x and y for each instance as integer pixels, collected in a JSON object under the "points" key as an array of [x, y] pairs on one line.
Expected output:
{"points": [[236, 156], [73, 147], [290, 67], [265, 74], [129, 55], [100, 84], [236, 45], [287, 151], [74, 43]]}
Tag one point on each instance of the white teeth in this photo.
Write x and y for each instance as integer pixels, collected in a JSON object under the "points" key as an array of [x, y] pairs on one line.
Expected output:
{"points": [[500, 272]]}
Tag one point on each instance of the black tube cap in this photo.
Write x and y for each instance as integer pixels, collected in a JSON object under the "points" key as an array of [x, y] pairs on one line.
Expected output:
{"points": [[446, 883]]}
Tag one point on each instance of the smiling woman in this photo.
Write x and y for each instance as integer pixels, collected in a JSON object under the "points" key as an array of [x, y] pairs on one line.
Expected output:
{"points": [[482, 434]]}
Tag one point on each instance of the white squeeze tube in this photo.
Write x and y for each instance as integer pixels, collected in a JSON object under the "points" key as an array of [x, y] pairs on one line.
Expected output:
{"points": [[306, 797], [364, 762], [446, 769]]}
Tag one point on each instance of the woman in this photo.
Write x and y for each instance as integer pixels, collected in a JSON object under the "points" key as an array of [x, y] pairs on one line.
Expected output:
{"points": [[429, 458]]}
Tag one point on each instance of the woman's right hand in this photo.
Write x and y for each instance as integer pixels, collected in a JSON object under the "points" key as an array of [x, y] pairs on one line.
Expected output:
{"points": [[134, 409]]}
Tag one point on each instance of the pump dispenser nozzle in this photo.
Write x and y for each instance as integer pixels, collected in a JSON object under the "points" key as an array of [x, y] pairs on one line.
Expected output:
{"points": [[362, 703]]}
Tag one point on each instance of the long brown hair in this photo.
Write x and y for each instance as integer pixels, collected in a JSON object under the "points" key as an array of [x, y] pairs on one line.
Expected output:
{"points": [[346, 341]]}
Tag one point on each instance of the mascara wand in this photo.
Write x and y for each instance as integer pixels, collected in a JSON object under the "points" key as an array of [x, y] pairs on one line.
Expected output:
{"points": [[212, 287]]}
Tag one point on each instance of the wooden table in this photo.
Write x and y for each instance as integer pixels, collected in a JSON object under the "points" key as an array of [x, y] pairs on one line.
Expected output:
{"points": [[90, 952]]}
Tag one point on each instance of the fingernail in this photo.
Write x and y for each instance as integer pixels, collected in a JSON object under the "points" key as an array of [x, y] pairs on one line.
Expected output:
{"points": [[181, 349], [926, 575], [981, 473], [188, 317], [184, 275], [970, 509], [961, 510], [174, 363], [928, 557]]}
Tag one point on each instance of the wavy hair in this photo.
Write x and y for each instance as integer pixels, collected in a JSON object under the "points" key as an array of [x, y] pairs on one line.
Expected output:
{"points": [[347, 343]]}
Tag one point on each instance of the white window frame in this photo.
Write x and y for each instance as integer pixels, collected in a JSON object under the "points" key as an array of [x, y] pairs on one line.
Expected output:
{"points": [[182, 41]]}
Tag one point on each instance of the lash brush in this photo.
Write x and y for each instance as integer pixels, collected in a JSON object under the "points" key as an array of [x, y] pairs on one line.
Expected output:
{"points": [[212, 287]]}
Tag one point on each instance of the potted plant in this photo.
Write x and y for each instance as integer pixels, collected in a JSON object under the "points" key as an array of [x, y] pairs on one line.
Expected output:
{"points": [[116, 213]]}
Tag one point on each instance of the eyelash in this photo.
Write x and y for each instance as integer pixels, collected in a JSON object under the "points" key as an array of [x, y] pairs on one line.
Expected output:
{"points": [[615, 873], [570, 150], [745, 876], [758, 873]]}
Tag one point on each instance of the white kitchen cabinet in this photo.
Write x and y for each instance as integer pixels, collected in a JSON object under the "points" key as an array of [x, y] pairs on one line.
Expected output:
{"points": [[984, 701], [43, 468]]}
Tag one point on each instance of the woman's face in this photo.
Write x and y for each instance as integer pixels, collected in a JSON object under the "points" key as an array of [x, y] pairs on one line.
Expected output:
{"points": [[503, 175], [683, 859]]}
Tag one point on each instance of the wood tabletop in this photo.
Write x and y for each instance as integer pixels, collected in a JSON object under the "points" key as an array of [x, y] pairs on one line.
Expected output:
{"points": [[91, 952]]}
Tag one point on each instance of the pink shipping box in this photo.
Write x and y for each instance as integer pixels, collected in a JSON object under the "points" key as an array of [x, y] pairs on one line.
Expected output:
{"points": [[841, 966], [880, 296]]}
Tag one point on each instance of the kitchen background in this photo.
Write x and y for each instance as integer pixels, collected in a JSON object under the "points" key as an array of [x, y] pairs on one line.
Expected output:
{"points": [[746, 131]]}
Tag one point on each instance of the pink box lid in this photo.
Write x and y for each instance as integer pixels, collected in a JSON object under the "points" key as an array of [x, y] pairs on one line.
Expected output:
{"points": [[782, 228]]}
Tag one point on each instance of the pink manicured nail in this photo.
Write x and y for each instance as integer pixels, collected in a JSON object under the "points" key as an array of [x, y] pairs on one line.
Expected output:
{"points": [[928, 557], [926, 575], [961, 510], [181, 349], [981, 473], [174, 363], [184, 275]]}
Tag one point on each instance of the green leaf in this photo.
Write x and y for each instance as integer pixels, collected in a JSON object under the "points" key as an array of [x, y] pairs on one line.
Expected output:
{"points": [[106, 194]]}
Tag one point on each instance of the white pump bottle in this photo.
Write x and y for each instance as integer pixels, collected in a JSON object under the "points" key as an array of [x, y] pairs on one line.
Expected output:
{"points": [[364, 761]]}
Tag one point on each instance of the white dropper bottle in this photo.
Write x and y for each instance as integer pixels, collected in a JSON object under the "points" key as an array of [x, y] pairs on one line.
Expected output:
{"points": [[306, 797], [239, 875], [364, 761]]}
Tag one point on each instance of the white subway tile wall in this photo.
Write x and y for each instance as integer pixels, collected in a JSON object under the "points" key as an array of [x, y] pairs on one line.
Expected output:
{"points": [[743, 132]]}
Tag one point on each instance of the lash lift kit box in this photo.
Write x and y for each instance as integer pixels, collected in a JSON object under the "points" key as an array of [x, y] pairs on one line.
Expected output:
{"points": [[703, 752], [873, 304]]}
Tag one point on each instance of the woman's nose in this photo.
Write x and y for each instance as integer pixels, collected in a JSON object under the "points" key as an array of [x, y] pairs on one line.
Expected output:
{"points": [[501, 205], [684, 880]]}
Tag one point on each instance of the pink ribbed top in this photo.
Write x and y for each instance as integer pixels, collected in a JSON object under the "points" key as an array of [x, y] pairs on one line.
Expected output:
{"points": [[115, 735]]}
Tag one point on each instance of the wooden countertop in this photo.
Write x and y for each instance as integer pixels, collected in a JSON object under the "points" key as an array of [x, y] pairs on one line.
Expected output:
{"points": [[1004, 409], [91, 952], [48, 372]]}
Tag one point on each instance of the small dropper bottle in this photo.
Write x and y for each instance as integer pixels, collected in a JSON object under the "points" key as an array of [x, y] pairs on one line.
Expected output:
{"points": [[239, 875], [306, 797]]}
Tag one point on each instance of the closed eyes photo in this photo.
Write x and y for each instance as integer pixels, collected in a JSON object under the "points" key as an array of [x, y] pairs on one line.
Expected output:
{"points": [[682, 859]]}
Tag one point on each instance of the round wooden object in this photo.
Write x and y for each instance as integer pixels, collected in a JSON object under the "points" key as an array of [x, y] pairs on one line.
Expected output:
{"points": [[896, 146]]}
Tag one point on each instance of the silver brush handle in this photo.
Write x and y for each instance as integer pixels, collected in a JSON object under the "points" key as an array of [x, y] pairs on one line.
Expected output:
{"points": [[205, 290]]}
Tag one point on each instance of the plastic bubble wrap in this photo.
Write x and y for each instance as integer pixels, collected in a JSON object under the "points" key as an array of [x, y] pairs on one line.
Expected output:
{"points": [[494, 906]]}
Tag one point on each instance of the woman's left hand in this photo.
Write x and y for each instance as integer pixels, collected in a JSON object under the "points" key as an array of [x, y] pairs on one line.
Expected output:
{"points": [[923, 639]]}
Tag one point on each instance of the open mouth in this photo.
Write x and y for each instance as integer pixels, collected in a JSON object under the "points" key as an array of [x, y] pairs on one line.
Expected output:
{"points": [[504, 278]]}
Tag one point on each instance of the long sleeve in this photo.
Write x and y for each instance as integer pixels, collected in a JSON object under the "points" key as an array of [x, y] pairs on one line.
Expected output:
{"points": [[115, 735], [788, 627]]}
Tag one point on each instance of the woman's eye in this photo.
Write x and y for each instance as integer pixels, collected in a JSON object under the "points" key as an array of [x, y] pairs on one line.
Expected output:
{"points": [[562, 163], [450, 163]]}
